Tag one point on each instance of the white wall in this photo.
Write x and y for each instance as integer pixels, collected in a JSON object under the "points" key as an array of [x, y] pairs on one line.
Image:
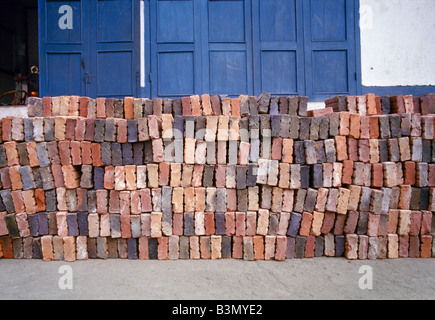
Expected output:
{"points": [[397, 42]]}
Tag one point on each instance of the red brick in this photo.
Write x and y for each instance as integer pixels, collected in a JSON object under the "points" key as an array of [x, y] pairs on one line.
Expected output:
{"points": [[355, 126], [76, 153], [240, 224], [416, 217], [287, 150], [259, 248], [15, 176], [306, 222], [128, 108], [409, 172], [230, 223], [86, 154], [371, 104], [365, 127], [347, 172], [18, 201], [344, 123], [65, 152], [206, 105], [373, 225], [374, 127], [276, 149], [80, 129], [96, 155], [121, 131], [101, 108], [46, 107], [40, 200], [426, 222], [209, 223], [29, 201], [7, 129], [177, 224], [196, 105], [352, 149], [70, 129], [341, 147], [71, 177], [56, 170], [125, 226], [270, 245], [377, 175], [163, 248], [426, 246], [235, 107], [186, 106], [12, 153], [310, 246], [320, 112], [145, 200], [83, 106]]}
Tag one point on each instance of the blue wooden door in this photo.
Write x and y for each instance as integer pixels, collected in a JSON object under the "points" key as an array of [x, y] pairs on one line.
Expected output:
{"points": [[64, 50], [200, 46], [175, 28], [96, 55], [330, 48], [114, 43], [227, 47], [278, 47]]}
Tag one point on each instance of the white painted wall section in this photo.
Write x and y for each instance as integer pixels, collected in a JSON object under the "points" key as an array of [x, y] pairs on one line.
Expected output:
{"points": [[397, 42]]}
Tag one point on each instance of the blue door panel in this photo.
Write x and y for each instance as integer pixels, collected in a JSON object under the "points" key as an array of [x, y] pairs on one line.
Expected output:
{"points": [[330, 48], [175, 23], [277, 20], [114, 69], [228, 68], [111, 68], [328, 20], [176, 74], [53, 33], [279, 72], [175, 58], [114, 21], [278, 47], [226, 21], [98, 57], [228, 72], [64, 74], [330, 73]]}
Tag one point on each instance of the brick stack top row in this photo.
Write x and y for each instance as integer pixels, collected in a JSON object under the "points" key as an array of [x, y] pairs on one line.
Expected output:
{"points": [[206, 105]]}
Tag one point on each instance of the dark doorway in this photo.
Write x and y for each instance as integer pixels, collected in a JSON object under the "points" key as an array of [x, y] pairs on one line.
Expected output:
{"points": [[19, 43]]}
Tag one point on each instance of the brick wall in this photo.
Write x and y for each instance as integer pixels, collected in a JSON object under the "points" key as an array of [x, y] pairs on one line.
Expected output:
{"points": [[215, 178]]}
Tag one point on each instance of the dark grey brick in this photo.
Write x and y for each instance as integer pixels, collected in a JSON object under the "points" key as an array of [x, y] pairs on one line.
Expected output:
{"points": [[300, 247], [116, 153], [110, 130], [99, 130], [33, 220], [132, 249], [12, 226], [50, 201], [22, 153], [220, 223], [295, 222], [73, 228], [127, 154], [132, 132], [27, 178]]}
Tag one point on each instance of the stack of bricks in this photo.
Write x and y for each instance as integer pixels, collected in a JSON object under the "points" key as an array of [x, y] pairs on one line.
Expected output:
{"points": [[215, 178]]}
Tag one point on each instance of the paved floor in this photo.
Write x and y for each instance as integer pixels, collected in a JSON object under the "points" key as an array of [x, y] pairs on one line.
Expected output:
{"points": [[321, 278]]}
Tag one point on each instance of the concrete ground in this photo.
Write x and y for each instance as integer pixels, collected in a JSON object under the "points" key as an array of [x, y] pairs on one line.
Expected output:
{"points": [[321, 278]]}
